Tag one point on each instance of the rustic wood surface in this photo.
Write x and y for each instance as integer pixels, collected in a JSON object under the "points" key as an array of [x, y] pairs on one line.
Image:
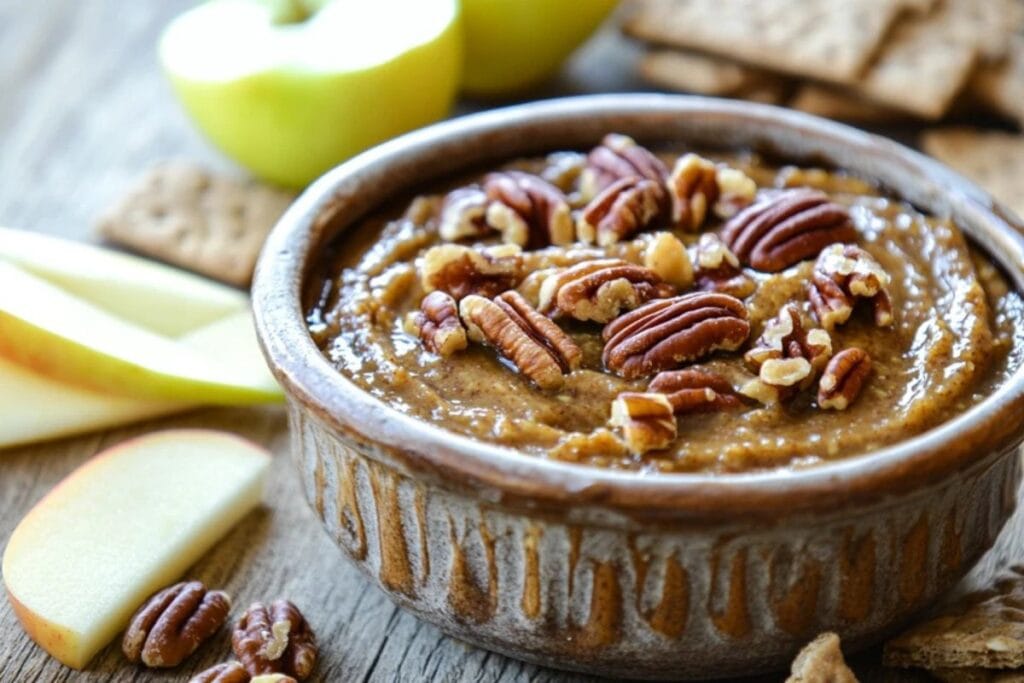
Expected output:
{"points": [[83, 110]]}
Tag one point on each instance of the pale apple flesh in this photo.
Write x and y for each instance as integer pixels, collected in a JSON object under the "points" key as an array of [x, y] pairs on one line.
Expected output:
{"points": [[159, 298], [125, 524], [50, 332]]}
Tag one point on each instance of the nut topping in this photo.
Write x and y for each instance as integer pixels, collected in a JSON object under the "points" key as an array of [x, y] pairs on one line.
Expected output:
{"points": [[666, 333], [695, 390], [438, 325], [736, 190], [599, 290], [693, 187], [272, 678], [618, 157], [275, 639], [460, 270], [528, 210], [843, 379], [786, 228], [668, 258], [229, 672], [842, 274], [718, 269], [534, 344], [787, 357], [622, 209], [647, 421], [463, 214], [174, 623]]}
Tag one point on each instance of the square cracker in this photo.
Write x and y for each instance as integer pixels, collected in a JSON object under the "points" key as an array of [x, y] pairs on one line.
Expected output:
{"points": [[993, 159], [817, 38], [985, 630], [843, 106], [821, 661], [187, 216], [706, 75], [1000, 87]]}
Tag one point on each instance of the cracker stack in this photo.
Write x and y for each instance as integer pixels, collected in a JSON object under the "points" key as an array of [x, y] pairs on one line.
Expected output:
{"points": [[861, 60]]}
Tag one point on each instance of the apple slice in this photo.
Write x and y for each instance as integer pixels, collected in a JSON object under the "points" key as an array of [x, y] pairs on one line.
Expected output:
{"points": [[232, 344], [46, 330], [162, 299], [123, 525]]}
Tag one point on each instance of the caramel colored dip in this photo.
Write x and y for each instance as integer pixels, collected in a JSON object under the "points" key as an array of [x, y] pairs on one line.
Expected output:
{"points": [[958, 332]]}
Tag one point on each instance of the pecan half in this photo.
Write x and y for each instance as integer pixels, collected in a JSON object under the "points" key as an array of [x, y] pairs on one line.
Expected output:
{"points": [[528, 210], [693, 187], [622, 209], [437, 324], [601, 289], [695, 390], [647, 421], [843, 378], [716, 268], [174, 623], [463, 214], [229, 672], [787, 227], [460, 270], [534, 344], [668, 258], [275, 639], [787, 357], [843, 274], [618, 157], [666, 333]]}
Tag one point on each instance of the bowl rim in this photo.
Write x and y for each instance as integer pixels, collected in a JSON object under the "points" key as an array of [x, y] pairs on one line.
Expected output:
{"points": [[990, 428]]}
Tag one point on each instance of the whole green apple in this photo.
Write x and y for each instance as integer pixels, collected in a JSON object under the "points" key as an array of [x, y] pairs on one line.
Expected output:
{"points": [[289, 88], [511, 45]]}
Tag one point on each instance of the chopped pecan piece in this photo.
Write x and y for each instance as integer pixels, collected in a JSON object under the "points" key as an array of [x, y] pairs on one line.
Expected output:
{"points": [[460, 270], [695, 390], [622, 209], [668, 258], [736, 190], [693, 186], [647, 421], [437, 324], [463, 214], [601, 289], [528, 210], [537, 346], [718, 270], [174, 623], [843, 274], [618, 157], [272, 678], [787, 357], [229, 672], [275, 639], [843, 378], [666, 333], [787, 227]]}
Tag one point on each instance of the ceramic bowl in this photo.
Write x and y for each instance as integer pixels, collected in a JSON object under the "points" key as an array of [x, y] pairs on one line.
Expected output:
{"points": [[667, 576]]}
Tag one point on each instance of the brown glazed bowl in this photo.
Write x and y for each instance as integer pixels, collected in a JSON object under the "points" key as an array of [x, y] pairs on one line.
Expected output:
{"points": [[617, 573]]}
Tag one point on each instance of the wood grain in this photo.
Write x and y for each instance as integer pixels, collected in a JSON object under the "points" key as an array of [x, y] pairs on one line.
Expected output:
{"points": [[83, 110]]}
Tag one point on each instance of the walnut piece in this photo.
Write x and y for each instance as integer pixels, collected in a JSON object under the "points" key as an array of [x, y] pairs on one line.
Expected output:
{"points": [[229, 672], [527, 210], [666, 333], [647, 421], [275, 639], [787, 357], [619, 157], [622, 209], [460, 270], [843, 274], [599, 290], [667, 257], [535, 345], [736, 191], [843, 378], [718, 270], [693, 187], [787, 227], [463, 214], [172, 624], [437, 324], [695, 390]]}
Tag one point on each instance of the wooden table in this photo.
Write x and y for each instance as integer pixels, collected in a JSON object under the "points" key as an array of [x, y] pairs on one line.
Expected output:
{"points": [[83, 110]]}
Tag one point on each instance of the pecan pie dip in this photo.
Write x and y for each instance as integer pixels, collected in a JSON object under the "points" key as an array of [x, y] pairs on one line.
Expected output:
{"points": [[667, 311]]}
